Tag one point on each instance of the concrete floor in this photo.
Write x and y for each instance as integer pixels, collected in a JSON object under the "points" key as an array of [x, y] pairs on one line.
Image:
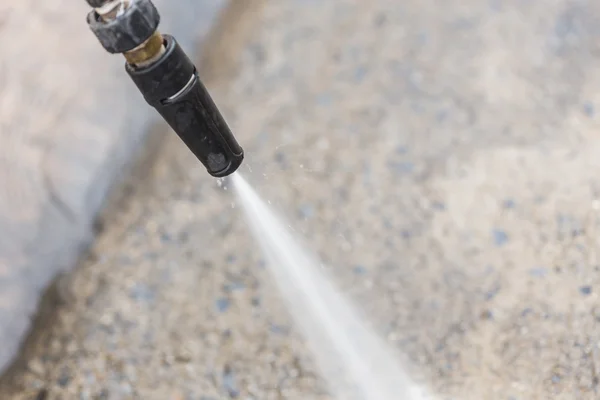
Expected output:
{"points": [[440, 156]]}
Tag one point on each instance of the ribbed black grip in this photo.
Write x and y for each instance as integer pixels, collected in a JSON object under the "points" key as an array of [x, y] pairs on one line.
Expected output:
{"points": [[172, 86]]}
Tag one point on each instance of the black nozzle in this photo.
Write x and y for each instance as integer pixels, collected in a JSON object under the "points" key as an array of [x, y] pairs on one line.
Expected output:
{"points": [[172, 86]]}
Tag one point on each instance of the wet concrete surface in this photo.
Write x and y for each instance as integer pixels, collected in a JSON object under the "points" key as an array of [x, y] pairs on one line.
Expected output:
{"points": [[440, 156], [70, 121]]}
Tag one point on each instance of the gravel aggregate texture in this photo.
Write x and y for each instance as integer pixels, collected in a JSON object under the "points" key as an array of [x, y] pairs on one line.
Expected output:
{"points": [[440, 157]]}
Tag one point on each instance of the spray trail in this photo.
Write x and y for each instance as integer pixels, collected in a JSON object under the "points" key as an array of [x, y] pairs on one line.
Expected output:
{"points": [[354, 361]]}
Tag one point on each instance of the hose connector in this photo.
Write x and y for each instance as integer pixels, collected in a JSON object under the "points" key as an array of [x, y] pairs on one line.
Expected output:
{"points": [[123, 25]]}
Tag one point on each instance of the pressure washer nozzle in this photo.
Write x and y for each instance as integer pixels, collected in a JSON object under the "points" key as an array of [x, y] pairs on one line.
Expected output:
{"points": [[167, 79]]}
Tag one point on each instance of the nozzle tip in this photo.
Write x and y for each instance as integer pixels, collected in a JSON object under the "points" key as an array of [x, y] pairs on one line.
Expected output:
{"points": [[234, 163]]}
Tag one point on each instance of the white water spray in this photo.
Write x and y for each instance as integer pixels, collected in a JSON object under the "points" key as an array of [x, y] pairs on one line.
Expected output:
{"points": [[355, 362]]}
